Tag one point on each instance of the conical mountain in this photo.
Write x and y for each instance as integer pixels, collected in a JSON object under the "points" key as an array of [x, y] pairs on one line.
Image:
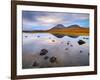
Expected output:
{"points": [[59, 26]]}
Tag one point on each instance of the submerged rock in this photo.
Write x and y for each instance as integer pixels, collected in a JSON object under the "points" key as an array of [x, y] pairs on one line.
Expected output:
{"points": [[53, 40], [80, 42], [43, 52], [25, 36], [66, 48], [85, 38], [46, 57], [35, 64], [49, 37], [71, 45], [52, 59], [38, 36], [81, 51], [67, 43]]}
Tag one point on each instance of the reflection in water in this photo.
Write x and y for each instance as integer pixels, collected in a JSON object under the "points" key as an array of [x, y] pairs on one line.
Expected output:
{"points": [[41, 50], [73, 36], [59, 35]]}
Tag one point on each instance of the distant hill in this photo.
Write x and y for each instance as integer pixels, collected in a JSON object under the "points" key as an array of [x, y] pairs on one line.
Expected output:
{"points": [[74, 26], [62, 27]]}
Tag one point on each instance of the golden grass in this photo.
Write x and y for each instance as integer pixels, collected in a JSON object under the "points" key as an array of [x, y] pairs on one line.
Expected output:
{"points": [[84, 32]]}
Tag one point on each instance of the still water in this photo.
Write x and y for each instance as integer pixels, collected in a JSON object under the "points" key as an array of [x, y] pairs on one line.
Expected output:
{"points": [[42, 50]]}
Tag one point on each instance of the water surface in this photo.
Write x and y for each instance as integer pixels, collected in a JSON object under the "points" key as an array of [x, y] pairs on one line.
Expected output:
{"points": [[64, 51]]}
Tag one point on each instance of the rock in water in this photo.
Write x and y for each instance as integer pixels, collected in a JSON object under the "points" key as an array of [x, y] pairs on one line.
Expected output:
{"points": [[25, 36], [43, 52], [68, 43], [35, 64], [66, 48], [71, 45], [46, 57], [53, 59], [80, 42], [53, 40], [81, 51], [38, 36]]}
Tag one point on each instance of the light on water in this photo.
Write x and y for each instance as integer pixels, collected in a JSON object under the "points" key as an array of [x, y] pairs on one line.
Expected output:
{"points": [[56, 52]]}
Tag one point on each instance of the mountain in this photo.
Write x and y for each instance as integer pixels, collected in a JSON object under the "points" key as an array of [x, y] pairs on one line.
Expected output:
{"points": [[73, 30], [59, 26], [74, 26]]}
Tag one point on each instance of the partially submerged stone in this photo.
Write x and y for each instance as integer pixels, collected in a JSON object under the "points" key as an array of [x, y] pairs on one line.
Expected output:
{"points": [[43, 52], [38, 36], [80, 42], [53, 40], [85, 38], [66, 48], [71, 45], [53, 59], [67, 43], [25, 36], [35, 64], [46, 57], [81, 51]]}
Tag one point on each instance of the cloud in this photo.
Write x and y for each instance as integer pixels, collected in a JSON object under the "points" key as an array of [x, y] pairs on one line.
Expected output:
{"points": [[50, 19]]}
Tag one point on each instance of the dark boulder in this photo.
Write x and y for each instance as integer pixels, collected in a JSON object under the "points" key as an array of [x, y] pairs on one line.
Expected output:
{"points": [[67, 43], [80, 42], [66, 48], [43, 52], [71, 45], [53, 59]]}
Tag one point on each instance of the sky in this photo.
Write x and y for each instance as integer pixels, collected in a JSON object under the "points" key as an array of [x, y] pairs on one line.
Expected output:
{"points": [[43, 20]]}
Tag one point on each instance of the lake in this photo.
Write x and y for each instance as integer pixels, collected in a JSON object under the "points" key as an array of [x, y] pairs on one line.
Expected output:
{"points": [[43, 50]]}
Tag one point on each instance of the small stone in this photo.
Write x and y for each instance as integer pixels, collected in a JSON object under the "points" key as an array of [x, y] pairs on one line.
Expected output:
{"points": [[71, 45], [68, 43], [81, 51], [43, 52], [53, 40], [38, 36], [66, 49], [53, 59], [35, 64], [85, 38], [49, 38], [25, 36], [46, 57]]}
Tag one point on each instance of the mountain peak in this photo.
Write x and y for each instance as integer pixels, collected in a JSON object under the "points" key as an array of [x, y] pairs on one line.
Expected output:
{"points": [[75, 25], [59, 26]]}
